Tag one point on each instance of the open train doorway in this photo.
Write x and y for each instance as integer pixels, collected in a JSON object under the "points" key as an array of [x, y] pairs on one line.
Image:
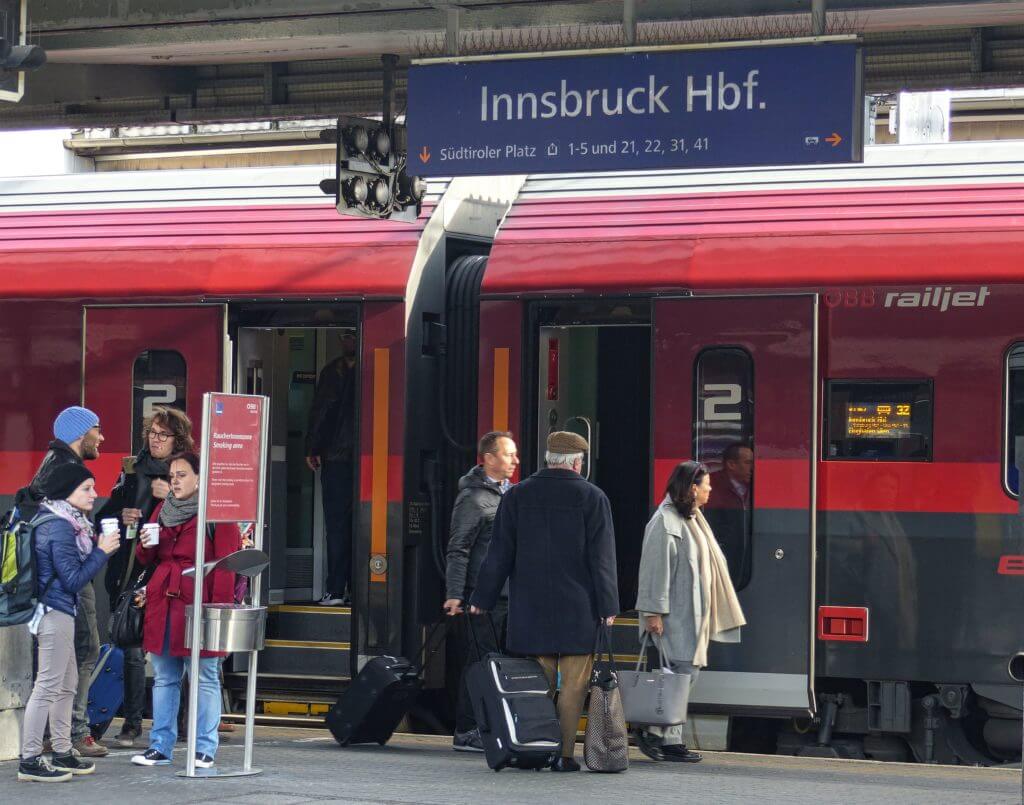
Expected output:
{"points": [[594, 378]]}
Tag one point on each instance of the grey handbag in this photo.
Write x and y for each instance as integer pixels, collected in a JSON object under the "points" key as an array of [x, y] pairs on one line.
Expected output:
{"points": [[606, 743], [657, 698]]}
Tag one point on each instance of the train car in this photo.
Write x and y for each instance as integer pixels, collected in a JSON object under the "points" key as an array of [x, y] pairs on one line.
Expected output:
{"points": [[129, 290], [855, 331]]}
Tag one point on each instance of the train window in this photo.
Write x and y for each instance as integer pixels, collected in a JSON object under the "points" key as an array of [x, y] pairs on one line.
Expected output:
{"points": [[158, 378], [879, 420], [724, 440], [1014, 416]]}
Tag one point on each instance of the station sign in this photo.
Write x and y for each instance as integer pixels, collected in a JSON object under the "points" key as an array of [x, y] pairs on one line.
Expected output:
{"points": [[671, 108], [234, 433]]}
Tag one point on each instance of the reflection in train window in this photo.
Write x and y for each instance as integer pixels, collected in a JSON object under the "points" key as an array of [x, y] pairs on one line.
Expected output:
{"points": [[724, 440], [158, 378], [1014, 416], [879, 420]]}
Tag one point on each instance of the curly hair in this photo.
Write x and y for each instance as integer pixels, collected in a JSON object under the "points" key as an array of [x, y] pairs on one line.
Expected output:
{"points": [[174, 420]]}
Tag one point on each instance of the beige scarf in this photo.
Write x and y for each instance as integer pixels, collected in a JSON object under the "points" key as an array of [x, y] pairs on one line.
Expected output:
{"points": [[723, 607]]}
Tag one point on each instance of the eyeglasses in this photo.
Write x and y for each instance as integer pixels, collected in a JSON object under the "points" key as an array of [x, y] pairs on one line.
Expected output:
{"points": [[160, 436]]}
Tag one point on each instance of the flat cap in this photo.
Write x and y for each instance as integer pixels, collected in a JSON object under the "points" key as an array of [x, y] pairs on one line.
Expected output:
{"points": [[566, 443]]}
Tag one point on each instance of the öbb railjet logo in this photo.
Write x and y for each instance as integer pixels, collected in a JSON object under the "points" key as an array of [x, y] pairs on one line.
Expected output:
{"points": [[941, 298]]}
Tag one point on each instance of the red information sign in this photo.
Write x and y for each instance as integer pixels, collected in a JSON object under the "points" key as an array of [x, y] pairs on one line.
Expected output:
{"points": [[232, 444]]}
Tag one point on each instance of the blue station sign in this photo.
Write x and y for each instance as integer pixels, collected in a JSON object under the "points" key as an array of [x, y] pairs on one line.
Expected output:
{"points": [[687, 108]]}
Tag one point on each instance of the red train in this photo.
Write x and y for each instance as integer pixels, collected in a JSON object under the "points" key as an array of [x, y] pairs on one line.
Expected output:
{"points": [[855, 329]]}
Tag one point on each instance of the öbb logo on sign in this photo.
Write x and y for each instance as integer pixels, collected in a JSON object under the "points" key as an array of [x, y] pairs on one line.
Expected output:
{"points": [[1011, 565], [939, 298], [251, 407]]}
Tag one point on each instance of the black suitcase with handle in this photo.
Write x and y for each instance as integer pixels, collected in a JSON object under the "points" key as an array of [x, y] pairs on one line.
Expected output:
{"points": [[372, 707]]}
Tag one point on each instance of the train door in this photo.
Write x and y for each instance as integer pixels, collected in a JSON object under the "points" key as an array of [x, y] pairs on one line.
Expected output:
{"points": [[735, 387], [284, 364], [594, 379], [136, 357]]}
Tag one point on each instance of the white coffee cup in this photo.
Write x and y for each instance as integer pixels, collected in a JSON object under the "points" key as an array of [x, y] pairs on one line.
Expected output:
{"points": [[151, 535], [109, 525]]}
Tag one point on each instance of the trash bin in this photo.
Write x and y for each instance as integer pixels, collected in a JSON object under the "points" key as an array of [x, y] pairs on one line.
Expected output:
{"points": [[229, 627]]}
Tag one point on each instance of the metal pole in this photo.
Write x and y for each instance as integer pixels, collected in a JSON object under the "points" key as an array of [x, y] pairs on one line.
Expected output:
{"points": [[197, 598], [390, 61], [629, 22], [255, 584], [451, 30], [818, 17]]}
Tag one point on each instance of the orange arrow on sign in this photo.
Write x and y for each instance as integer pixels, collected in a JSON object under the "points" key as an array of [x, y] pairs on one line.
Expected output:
{"points": [[425, 154], [835, 139]]}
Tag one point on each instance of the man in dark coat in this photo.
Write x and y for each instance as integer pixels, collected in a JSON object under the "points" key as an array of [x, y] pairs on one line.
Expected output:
{"points": [[554, 541], [728, 509], [480, 492], [76, 439], [330, 448]]}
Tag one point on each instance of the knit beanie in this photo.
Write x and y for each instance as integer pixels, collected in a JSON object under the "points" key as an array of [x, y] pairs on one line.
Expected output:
{"points": [[566, 443], [64, 479], [73, 423]]}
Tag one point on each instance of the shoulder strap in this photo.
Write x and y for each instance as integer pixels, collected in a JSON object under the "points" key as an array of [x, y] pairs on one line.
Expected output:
{"points": [[38, 521]]}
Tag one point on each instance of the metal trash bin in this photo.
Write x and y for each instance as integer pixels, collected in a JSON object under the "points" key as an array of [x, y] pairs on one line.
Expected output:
{"points": [[229, 627]]}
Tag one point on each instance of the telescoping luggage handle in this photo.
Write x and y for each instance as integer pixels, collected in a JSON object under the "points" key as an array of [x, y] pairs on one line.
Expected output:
{"points": [[472, 633]]}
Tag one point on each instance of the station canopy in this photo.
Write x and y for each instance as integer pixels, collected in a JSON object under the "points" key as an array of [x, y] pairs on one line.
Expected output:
{"points": [[199, 61]]}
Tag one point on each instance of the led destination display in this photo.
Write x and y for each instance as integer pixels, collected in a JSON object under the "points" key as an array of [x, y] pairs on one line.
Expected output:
{"points": [[881, 420]]}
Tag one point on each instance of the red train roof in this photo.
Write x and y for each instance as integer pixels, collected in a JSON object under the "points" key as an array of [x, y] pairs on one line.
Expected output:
{"points": [[98, 240], [867, 226]]}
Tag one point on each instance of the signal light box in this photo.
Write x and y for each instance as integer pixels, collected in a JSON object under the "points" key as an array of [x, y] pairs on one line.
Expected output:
{"points": [[690, 107]]}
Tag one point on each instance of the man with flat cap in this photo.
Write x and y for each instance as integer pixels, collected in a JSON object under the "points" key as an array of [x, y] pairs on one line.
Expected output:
{"points": [[554, 542]]}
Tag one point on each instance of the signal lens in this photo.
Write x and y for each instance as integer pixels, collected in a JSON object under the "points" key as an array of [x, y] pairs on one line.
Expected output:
{"points": [[356, 139], [355, 191], [381, 144], [380, 193]]}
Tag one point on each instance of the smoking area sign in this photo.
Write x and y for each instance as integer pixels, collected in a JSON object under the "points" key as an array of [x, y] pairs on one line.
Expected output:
{"points": [[233, 446], [687, 108]]}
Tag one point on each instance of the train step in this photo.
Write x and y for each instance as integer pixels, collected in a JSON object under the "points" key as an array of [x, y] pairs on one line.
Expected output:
{"points": [[309, 623]]}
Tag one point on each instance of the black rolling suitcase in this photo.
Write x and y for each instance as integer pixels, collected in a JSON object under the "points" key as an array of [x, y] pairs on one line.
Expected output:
{"points": [[517, 720], [371, 708]]}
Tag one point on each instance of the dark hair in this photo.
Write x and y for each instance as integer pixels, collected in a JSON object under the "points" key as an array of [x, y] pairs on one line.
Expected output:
{"points": [[191, 458], [680, 486], [732, 452], [177, 422], [489, 441]]}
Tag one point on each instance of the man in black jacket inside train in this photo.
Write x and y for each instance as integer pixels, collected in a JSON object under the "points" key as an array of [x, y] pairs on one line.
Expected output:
{"points": [[480, 492]]}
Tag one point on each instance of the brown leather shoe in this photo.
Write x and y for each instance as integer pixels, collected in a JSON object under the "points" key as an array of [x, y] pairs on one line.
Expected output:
{"points": [[88, 747], [225, 726]]}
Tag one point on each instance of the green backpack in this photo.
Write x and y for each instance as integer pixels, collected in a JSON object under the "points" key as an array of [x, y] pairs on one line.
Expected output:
{"points": [[18, 568]]}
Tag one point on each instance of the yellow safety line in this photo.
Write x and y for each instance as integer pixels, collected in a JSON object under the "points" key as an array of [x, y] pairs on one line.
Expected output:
{"points": [[310, 610], [307, 644], [502, 357], [379, 475]]}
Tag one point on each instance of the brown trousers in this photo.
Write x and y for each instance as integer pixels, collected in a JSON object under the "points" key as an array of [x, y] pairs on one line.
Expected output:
{"points": [[572, 694]]}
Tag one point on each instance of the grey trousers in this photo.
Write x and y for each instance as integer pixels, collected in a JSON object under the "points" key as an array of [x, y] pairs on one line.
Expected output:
{"points": [[673, 736], [87, 652], [54, 691]]}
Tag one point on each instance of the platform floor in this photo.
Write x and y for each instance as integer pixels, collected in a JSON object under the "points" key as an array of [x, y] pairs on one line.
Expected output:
{"points": [[306, 766]]}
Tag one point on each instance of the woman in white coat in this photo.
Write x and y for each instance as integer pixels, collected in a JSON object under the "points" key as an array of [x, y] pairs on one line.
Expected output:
{"points": [[686, 597]]}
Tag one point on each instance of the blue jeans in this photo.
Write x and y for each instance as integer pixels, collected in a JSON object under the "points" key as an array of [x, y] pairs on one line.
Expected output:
{"points": [[167, 699]]}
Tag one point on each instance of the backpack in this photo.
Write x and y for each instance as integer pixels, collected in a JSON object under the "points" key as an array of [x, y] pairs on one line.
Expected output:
{"points": [[18, 568]]}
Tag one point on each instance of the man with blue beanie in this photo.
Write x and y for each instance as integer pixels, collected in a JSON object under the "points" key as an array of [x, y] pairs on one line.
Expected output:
{"points": [[76, 439]]}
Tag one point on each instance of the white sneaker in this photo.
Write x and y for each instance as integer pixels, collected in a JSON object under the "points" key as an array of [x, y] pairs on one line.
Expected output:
{"points": [[203, 761], [331, 600], [151, 758]]}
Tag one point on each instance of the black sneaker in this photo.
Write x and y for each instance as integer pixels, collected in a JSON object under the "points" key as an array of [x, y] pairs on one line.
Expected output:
{"points": [[680, 754], [203, 761], [72, 763], [126, 737], [331, 600], [649, 745], [151, 758], [468, 741], [37, 770]]}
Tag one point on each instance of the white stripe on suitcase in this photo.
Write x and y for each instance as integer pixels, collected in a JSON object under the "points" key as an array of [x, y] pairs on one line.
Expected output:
{"points": [[539, 745]]}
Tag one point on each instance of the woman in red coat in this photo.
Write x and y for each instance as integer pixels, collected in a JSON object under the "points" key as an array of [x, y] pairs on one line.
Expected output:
{"points": [[166, 596]]}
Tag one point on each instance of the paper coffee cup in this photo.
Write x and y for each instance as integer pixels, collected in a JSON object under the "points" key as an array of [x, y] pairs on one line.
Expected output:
{"points": [[109, 525], [150, 534]]}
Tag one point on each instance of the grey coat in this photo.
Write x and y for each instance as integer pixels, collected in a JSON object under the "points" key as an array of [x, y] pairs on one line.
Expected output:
{"points": [[669, 585]]}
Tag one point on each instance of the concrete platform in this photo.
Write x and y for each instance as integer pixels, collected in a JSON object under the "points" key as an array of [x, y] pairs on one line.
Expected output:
{"points": [[306, 766]]}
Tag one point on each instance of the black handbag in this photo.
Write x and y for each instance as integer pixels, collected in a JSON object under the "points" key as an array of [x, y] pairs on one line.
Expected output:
{"points": [[126, 621]]}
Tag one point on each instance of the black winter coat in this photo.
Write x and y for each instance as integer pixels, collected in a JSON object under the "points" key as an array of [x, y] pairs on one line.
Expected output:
{"points": [[472, 520], [553, 539], [332, 416], [29, 497]]}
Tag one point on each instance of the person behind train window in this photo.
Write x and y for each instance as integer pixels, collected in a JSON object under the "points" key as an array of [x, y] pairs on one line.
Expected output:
{"points": [[554, 542], [330, 448], [686, 597], [77, 439], [480, 492], [165, 597], [67, 558], [729, 508], [140, 488]]}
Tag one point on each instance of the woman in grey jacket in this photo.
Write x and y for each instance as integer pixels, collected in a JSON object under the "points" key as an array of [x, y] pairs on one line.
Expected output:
{"points": [[686, 597], [67, 558]]}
